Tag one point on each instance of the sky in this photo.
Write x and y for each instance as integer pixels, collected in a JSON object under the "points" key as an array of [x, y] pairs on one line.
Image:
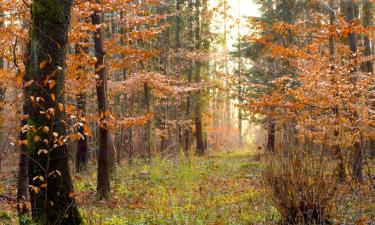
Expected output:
{"points": [[238, 9]]}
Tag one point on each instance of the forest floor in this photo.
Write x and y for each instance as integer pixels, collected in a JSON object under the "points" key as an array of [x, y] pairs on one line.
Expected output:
{"points": [[223, 188], [219, 189]]}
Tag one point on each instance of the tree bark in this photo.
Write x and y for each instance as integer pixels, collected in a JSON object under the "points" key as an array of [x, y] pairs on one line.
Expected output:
{"points": [[51, 195], [271, 135], [23, 173], [148, 131], [103, 185], [201, 148], [357, 163], [82, 143], [367, 9], [189, 78]]}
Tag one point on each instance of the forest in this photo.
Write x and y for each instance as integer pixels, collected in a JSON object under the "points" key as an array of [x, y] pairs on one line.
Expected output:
{"points": [[217, 112]]}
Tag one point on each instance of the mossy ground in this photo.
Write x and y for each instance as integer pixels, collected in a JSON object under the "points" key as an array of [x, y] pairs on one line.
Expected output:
{"points": [[220, 189], [223, 188]]}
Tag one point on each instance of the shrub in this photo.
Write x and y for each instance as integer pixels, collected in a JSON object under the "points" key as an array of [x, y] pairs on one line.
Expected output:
{"points": [[301, 186]]}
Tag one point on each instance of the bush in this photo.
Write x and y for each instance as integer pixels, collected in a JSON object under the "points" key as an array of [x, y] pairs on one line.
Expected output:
{"points": [[301, 186]]}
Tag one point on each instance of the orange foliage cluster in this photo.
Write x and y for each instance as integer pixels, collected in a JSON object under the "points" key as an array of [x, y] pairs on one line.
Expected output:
{"points": [[322, 93]]}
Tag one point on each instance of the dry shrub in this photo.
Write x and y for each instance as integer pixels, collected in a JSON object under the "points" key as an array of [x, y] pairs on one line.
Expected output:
{"points": [[301, 186]]}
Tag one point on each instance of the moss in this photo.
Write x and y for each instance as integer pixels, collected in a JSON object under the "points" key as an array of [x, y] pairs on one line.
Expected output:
{"points": [[47, 10]]}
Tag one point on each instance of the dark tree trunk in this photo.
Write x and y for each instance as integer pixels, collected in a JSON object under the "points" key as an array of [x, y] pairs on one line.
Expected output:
{"points": [[103, 186], [337, 149], [367, 10], [82, 143], [51, 195], [23, 174], [351, 12], [271, 136], [148, 131]]}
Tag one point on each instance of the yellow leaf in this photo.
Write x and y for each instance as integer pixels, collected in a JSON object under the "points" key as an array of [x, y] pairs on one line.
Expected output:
{"points": [[53, 97]]}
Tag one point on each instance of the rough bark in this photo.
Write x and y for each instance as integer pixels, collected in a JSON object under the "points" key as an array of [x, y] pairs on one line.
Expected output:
{"points": [[103, 185], [51, 197]]}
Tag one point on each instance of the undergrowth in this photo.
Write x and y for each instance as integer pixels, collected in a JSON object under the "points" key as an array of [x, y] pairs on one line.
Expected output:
{"points": [[221, 189]]}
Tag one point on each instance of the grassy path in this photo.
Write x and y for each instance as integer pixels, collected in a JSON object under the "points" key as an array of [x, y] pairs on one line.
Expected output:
{"points": [[219, 189]]}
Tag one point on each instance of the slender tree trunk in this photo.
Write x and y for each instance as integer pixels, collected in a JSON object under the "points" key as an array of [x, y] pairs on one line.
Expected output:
{"points": [[148, 131], [189, 78], [201, 148], [351, 12], [103, 186], [51, 195], [271, 135], [2, 93], [23, 173], [240, 97], [82, 143], [331, 45], [367, 10]]}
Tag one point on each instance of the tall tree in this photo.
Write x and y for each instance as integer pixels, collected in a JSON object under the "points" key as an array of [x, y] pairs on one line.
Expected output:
{"points": [[103, 185], [51, 196], [367, 21], [201, 148], [351, 16], [82, 143]]}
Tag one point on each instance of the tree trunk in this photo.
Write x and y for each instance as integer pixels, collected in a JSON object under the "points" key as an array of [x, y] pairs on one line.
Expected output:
{"points": [[103, 186], [51, 195], [351, 11], [367, 9], [2, 91], [22, 181], [331, 45], [189, 78], [23, 174], [271, 136], [198, 102], [148, 131], [82, 143]]}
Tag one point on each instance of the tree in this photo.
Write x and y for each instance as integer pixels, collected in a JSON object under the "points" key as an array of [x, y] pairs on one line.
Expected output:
{"points": [[201, 148], [351, 16], [103, 185], [51, 196]]}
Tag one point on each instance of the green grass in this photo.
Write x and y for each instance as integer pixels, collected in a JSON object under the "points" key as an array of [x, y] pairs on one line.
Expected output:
{"points": [[218, 189]]}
